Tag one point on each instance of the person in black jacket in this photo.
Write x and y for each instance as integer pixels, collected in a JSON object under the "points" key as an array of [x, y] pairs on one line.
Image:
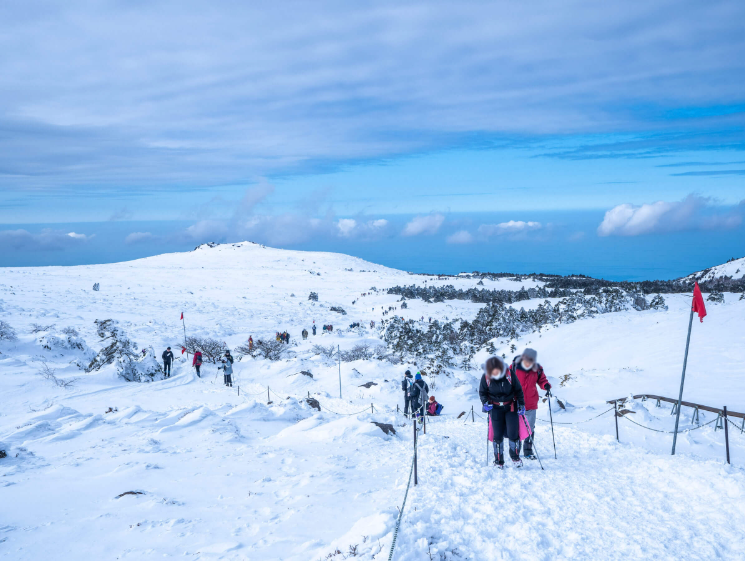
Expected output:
{"points": [[167, 360], [405, 386], [419, 394], [502, 397]]}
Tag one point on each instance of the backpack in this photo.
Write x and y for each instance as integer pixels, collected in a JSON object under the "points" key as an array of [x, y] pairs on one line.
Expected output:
{"points": [[432, 408], [199, 359], [423, 395]]}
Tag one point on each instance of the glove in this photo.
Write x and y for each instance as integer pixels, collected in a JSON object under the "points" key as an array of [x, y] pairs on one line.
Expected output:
{"points": [[547, 387], [521, 410], [487, 407]]}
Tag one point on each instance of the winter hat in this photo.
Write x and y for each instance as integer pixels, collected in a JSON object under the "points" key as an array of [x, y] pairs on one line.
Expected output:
{"points": [[431, 398], [407, 373], [531, 354], [418, 376]]}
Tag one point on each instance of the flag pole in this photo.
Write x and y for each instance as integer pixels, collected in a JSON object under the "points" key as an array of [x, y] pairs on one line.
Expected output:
{"points": [[682, 381]]}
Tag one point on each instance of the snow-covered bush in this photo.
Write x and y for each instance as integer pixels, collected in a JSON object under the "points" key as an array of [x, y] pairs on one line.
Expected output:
{"points": [[338, 309], [7, 333], [96, 287], [325, 352], [270, 349], [313, 296], [211, 349], [404, 305], [715, 297], [119, 347], [70, 331], [144, 367], [37, 328], [658, 303], [742, 296], [640, 303]]}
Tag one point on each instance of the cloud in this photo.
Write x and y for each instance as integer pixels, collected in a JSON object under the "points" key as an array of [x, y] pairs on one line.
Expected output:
{"points": [[460, 237], [349, 227], [692, 213], [216, 96], [710, 173], [139, 237], [428, 225], [46, 240], [511, 227]]}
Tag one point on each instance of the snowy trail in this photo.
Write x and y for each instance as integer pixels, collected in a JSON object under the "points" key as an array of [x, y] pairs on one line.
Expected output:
{"points": [[661, 507]]}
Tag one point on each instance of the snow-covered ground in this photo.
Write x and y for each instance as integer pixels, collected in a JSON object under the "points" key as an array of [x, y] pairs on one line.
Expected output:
{"points": [[263, 475]]}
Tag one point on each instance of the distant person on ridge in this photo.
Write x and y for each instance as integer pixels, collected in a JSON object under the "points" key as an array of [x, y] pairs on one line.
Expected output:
{"points": [[227, 367], [530, 374], [502, 397], [197, 362], [314, 328], [167, 360]]}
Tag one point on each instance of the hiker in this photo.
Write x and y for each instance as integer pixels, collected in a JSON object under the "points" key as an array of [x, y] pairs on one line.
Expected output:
{"points": [[229, 357], [433, 408], [530, 374], [250, 343], [278, 337], [167, 360], [502, 397], [405, 386], [419, 395], [227, 367], [287, 338], [305, 334], [314, 328], [197, 362]]}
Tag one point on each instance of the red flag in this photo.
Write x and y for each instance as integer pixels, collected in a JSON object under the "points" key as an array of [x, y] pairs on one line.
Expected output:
{"points": [[183, 350], [698, 303], [182, 315]]}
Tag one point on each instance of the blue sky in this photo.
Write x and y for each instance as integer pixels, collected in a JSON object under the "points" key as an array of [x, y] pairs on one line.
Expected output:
{"points": [[356, 126]]}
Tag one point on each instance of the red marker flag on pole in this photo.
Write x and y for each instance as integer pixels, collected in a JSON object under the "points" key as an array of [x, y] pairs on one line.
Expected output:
{"points": [[698, 303], [182, 315], [183, 350]]}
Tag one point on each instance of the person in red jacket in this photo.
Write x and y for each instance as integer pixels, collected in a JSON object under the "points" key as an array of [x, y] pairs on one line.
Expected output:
{"points": [[197, 362], [530, 374]]}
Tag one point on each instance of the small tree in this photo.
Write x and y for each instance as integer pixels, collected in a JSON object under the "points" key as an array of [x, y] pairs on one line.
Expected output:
{"points": [[211, 349], [313, 296], [7, 333]]}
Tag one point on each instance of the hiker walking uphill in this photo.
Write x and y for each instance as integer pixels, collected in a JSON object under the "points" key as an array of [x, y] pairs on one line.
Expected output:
{"points": [[502, 397], [526, 368], [419, 392], [227, 367], [406, 387], [167, 361], [197, 362]]}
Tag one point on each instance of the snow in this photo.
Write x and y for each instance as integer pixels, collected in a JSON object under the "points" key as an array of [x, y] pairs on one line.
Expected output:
{"points": [[734, 269], [217, 475]]}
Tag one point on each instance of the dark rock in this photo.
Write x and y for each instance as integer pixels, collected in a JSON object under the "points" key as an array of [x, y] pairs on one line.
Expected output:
{"points": [[368, 385], [3, 454], [306, 373], [130, 493], [387, 428], [313, 402], [459, 416]]}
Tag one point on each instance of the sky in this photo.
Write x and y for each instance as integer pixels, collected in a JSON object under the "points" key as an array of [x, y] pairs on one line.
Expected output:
{"points": [[431, 135]]}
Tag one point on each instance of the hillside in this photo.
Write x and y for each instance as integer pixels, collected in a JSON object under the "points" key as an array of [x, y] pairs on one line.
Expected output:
{"points": [[735, 269], [185, 466]]}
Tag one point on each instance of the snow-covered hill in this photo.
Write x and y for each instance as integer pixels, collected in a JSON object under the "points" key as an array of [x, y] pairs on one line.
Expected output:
{"points": [[104, 468], [734, 269]]}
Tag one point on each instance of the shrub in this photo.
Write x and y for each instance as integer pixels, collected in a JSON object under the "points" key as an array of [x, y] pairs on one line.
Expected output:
{"points": [[119, 347], [313, 296], [338, 309], [7, 333], [715, 297], [211, 349]]}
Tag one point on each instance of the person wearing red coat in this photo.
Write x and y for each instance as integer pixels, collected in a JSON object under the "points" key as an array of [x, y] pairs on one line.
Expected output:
{"points": [[197, 362], [531, 375]]}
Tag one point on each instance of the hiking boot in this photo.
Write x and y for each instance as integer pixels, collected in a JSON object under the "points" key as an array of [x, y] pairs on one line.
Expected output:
{"points": [[499, 461], [518, 463]]}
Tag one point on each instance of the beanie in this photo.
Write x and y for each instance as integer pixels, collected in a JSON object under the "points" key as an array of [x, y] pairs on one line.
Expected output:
{"points": [[418, 376], [531, 354]]}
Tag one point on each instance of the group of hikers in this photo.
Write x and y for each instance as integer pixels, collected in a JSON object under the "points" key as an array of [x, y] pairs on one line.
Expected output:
{"points": [[283, 337], [508, 394]]}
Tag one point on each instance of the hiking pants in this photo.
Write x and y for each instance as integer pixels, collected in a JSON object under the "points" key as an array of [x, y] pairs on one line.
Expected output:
{"points": [[198, 366], [407, 403], [504, 423], [229, 380], [167, 368], [530, 417]]}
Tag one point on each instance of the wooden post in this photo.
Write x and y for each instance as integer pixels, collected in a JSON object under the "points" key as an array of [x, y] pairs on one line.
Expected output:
{"points": [[267, 395], [726, 433], [415, 466], [473, 419], [372, 409], [424, 421], [338, 351], [615, 414], [239, 391]]}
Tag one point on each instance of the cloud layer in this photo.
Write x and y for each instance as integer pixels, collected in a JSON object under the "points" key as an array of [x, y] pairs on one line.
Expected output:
{"points": [[428, 225], [692, 213], [199, 94], [46, 240]]}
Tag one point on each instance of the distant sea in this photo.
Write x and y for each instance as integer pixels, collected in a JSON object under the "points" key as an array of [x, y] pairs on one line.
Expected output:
{"points": [[566, 243]]}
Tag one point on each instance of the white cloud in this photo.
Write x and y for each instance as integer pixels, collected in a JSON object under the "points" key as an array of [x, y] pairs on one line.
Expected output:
{"points": [[138, 237], [429, 225], [46, 240], [511, 227], [346, 226], [692, 213], [460, 237]]}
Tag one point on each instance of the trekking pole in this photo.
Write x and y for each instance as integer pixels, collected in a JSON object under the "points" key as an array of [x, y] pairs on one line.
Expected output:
{"points": [[488, 420], [551, 416], [532, 444]]}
